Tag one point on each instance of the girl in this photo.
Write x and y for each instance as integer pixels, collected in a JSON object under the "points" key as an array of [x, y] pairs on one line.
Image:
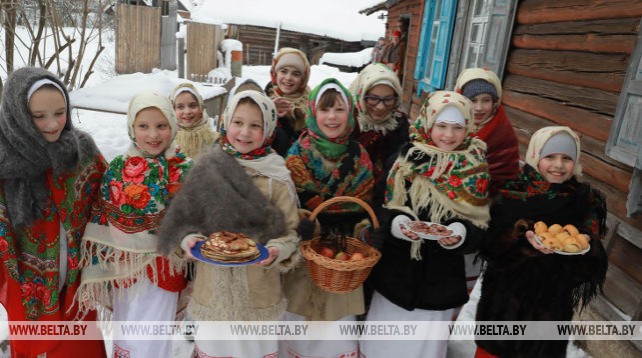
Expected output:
{"points": [[123, 270], [243, 187], [483, 88], [290, 73], [381, 126], [441, 176], [528, 281], [325, 162], [194, 128], [49, 179]]}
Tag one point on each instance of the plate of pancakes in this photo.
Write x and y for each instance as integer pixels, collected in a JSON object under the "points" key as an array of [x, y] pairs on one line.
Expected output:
{"points": [[226, 248]]}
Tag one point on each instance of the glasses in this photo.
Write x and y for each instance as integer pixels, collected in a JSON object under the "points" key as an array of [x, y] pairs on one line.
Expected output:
{"points": [[374, 100]]}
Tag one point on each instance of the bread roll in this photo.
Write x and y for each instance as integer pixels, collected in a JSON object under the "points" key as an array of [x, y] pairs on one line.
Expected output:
{"points": [[555, 229], [571, 230], [540, 227], [582, 241]]}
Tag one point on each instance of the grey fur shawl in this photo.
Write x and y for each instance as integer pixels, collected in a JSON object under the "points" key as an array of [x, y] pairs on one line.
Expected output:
{"points": [[25, 155], [219, 195]]}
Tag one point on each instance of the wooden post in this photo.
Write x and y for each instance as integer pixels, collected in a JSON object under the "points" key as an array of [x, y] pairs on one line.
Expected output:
{"points": [[181, 57]]}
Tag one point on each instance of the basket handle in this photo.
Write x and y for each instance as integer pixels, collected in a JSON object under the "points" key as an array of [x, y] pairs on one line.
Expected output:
{"points": [[341, 199]]}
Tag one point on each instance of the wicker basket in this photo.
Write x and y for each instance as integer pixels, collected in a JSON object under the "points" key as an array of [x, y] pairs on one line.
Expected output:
{"points": [[340, 276]]}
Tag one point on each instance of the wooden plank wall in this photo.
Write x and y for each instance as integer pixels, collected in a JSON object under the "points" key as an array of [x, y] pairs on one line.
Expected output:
{"points": [[566, 66], [415, 9], [137, 38], [202, 46], [258, 43]]}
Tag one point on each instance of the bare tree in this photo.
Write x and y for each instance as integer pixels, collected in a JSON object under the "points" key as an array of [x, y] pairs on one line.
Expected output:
{"points": [[57, 36]]}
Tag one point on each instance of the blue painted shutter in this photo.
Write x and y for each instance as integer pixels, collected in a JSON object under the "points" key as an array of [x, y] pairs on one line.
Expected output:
{"points": [[444, 36], [424, 40]]}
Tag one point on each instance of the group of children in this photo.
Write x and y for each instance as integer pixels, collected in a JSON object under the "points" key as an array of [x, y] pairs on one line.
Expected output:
{"points": [[276, 157]]}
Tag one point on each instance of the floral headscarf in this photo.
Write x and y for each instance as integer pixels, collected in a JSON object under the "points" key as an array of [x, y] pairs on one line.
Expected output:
{"points": [[453, 184], [372, 75]]}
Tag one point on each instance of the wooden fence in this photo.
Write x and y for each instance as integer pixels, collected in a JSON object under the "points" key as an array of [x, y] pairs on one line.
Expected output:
{"points": [[202, 45], [138, 39]]}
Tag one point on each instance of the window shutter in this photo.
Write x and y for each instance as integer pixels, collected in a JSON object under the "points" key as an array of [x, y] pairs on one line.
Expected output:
{"points": [[625, 139], [498, 35], [444, 36], [424, 40]]}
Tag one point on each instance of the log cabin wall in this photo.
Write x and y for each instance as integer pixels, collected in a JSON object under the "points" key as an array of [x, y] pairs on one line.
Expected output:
{"points": [[566, 66], [414, 9], [258, 43]]}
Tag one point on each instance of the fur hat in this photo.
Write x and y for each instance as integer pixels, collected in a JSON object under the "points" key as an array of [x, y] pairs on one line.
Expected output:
{"points": [[477, 87]]}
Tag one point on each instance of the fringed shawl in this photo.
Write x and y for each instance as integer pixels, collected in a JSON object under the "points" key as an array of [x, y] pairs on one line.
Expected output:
{"points": [[452, 184], [192, 140], [523, 284], [121, 242], [323, 168]]}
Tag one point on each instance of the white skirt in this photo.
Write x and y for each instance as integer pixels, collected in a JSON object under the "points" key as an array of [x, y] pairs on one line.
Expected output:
{"points": [[318, 349], [144, 301], [204, 348], [381, 309]]}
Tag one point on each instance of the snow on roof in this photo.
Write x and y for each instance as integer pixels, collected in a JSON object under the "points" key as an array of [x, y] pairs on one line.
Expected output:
{"points": [[350, 59], [114, 95], [338, 19]]}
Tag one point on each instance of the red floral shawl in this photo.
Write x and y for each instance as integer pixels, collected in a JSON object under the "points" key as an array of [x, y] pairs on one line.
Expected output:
{"points": [[29, 257]]}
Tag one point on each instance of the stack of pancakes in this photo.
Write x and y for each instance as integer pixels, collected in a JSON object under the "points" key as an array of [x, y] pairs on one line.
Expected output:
{"points": [[229, 247]]}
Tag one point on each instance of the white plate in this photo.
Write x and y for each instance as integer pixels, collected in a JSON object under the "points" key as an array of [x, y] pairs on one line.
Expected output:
{"points": [[560, 252], [426, 236]]}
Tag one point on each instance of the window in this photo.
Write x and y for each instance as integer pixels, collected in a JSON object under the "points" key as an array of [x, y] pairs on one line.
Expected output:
{"points": [[434, 44], [625, 139], [481, 36]]}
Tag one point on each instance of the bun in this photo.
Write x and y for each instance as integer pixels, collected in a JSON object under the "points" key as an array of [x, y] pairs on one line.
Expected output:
{"points": [[558, 238]]}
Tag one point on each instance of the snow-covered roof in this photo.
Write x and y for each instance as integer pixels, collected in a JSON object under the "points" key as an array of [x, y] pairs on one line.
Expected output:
{"points": [[338, 19], [350, 59]]}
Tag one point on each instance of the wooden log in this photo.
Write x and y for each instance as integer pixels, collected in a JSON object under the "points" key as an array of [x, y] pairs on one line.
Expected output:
{"points": [[615, 201], [621, 289], [546, 11], [609, 35], [594, 100], [594, 161], [594, 125], [628, 26], [584, 69], [586, 42]]}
